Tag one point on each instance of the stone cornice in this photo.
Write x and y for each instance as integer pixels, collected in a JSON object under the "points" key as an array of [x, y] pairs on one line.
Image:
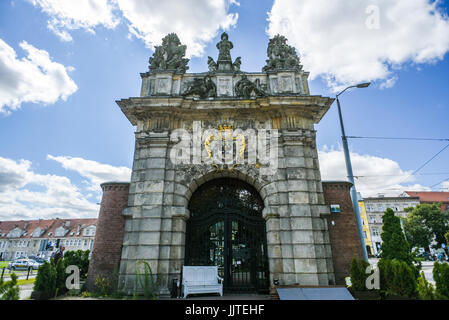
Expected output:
{"points": [[313, 107]]}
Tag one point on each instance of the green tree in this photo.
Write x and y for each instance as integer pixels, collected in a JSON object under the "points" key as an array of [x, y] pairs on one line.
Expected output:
{"points": [[358, 275], [426, 291], [45, 285], [441, 277], [9, 290], [78, 258], [61, 276], [425, 223], [397, 278], [394, 244]]}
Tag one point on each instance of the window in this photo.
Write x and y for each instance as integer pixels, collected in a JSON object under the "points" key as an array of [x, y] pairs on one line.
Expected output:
{"points": [[372, 219], [364, 234], [375, 232], [379, 208], [85, 242]]}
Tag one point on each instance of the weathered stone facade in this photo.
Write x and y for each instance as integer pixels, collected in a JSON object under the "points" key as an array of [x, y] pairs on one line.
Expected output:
{"points": [[298, 242]]}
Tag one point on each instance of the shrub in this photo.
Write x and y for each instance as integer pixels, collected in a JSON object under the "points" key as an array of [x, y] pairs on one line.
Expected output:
{"points": [[426, 291], [50, 280], [358, 274], [102, 286], [61, 276], [441, 277], [79, 258], [397, 278], [45, 285], [9, 290]]}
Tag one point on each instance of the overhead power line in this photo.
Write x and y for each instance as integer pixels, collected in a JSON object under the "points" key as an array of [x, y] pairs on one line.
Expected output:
{"points": [[422, 166], [440, 183], [399, 175], [399, 138]]}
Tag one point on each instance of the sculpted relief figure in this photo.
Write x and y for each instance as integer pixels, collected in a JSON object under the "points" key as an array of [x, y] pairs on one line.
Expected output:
{"points": [[202, 87], [281, 55], [236, 64], [245, 87], [212, 64], [170, 55]]}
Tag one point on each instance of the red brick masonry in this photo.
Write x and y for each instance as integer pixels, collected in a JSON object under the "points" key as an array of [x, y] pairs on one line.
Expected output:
{"points": [[343, 232], [108, 242]]}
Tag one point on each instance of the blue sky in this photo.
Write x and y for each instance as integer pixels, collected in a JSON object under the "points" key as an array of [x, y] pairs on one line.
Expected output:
{"points": [[58, 150]]}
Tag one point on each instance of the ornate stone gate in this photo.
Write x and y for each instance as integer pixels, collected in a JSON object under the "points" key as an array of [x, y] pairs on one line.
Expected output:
{"points": [[179, 116]]}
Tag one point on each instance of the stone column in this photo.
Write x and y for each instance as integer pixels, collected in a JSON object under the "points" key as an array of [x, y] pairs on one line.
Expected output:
{"points": [[308, 232], [107, 248], [144, 236]]}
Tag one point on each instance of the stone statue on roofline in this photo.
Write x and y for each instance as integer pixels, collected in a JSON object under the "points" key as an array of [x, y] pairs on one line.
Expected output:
{"points": [[281, 56], [169, 55], [224, 61]]}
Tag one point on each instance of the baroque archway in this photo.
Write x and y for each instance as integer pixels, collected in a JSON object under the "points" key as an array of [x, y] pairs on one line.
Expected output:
{"points": [[226, 229]]}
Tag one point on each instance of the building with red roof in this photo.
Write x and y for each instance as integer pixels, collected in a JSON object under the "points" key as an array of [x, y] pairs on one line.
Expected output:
{"points": [[431, 197], [42, 238]]}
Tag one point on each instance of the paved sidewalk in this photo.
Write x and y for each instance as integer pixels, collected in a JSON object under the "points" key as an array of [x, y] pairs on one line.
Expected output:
{"points": [[25, 291]]}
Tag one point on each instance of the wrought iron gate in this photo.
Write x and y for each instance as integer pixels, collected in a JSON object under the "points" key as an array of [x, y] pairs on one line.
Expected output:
{"points": [[226, 229]]}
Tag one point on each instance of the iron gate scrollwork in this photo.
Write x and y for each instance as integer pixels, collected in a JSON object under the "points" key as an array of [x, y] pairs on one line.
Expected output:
{"points": [[226, 229]]}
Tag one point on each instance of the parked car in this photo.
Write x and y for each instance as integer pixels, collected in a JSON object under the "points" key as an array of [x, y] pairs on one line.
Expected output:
{"points": [[22, 264], [37, 262], [426, 256]]}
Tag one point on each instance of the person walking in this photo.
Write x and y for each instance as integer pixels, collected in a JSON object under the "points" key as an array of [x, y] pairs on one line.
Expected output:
{"points": [[58, 255]]}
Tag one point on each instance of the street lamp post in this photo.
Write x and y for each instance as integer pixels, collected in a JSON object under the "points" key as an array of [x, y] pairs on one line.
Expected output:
{"points": [[355, 202]]}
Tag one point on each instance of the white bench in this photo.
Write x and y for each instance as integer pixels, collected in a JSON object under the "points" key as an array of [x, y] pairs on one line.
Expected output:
{"points": [[201, 279]]}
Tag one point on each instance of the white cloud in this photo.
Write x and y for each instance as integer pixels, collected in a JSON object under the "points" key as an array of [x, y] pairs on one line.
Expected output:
{"points": [[80, 14], [377, 175], [35, 78], [25, 194], [444, 186], [195, 22], [339, 40], [95, 172]]}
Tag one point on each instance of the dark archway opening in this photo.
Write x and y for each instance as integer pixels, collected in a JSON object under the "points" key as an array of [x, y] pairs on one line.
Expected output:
{"points": [[226, 229]]}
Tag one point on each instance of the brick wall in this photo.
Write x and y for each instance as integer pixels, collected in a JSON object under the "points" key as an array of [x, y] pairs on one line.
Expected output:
{"points": [[343, 231], [108, 242]]}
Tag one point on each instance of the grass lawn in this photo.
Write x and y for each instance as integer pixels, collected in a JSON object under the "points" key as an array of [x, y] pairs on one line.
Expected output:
{"points": [[24, 281], [3, 264]]}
